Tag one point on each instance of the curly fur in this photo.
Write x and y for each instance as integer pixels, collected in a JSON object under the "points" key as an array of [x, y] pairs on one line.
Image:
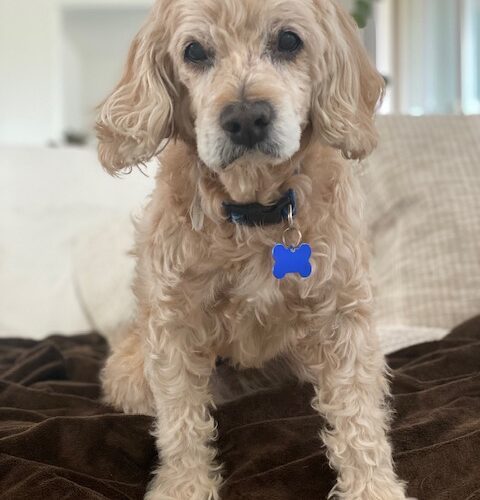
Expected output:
{"points": [[204, 287]]}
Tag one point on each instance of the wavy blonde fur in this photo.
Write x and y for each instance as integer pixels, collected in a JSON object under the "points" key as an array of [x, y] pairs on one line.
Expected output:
{"points": [[204, 286]]}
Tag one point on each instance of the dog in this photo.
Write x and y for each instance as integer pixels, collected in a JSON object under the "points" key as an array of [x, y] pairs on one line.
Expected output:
{"points": [[252, 108]]}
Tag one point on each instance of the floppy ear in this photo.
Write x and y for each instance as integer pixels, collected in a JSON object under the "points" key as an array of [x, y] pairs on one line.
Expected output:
{"points": [[347, 86], [139, 114]]}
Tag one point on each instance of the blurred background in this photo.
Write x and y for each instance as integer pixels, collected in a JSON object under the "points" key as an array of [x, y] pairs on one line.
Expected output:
{"points": [[59, 58], [58, 210]]}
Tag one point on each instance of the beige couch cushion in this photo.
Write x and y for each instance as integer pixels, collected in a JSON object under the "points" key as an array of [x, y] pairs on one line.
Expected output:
{"points": [[423, 206]]}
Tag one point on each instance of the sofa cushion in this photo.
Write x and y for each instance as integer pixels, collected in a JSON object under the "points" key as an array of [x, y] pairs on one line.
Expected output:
{"points": [[423, 207], [50, 198]]}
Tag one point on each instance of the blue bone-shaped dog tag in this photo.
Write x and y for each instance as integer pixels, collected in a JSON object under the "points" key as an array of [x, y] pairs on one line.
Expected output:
{"points": [[292, 260]]}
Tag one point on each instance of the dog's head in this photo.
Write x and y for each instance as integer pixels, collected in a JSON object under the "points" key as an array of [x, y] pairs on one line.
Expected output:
{"points": [[242, 79]]}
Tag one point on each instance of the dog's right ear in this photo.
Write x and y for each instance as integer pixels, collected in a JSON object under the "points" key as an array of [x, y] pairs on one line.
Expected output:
{"points": [[139, 114]]}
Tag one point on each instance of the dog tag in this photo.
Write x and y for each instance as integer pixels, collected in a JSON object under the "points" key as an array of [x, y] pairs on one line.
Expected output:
{"points": [[292, 257], [291, 260]]}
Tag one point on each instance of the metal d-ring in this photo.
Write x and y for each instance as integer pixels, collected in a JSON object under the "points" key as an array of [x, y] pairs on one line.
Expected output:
{"points": [[290, 216], [292, 230]]}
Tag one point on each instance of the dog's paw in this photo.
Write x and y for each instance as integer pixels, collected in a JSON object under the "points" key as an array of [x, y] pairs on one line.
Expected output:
{"points": [[168, 484], [390, 489]]}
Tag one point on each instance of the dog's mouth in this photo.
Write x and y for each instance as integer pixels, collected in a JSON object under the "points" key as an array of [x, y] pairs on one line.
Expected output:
{"points": [[231, 154]]}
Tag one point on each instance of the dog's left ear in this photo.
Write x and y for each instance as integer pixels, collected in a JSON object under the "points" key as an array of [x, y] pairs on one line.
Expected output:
{"points": [[347, 87]]}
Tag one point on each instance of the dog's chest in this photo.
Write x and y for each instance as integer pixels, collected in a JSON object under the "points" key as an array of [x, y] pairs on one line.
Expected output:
{"points": [[258, 316]]}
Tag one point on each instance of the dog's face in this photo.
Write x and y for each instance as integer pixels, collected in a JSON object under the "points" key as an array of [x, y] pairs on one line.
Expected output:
{"points": [[242, 79], [245, 65]]}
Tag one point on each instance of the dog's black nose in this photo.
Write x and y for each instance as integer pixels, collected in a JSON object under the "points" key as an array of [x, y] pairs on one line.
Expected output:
{"points": [[247, 123]]}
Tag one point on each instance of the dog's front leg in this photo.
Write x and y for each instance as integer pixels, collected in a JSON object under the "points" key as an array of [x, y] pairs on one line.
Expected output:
{"points": [[184, 429], [347, 369]]}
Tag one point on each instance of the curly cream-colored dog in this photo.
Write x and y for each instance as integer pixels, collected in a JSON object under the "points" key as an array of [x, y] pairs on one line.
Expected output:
{"points": [[259, 100]]}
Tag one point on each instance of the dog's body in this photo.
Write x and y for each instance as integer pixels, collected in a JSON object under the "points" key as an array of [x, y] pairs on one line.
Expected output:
{"points": [[204, 285]]}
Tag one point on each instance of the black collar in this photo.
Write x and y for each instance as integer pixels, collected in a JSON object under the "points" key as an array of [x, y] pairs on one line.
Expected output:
{"points": [[255, 214]]}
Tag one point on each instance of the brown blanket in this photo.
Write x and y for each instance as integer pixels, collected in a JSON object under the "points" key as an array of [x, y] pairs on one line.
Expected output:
{"points": [[58, 442]]}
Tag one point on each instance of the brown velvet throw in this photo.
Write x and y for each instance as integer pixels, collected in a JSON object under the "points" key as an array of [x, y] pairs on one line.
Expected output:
{"points": [[57, 441]]}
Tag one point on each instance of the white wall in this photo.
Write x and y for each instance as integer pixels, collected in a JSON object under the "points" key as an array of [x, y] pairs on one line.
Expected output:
{"points": [[31, 50], [97, 41], [28, 66]]}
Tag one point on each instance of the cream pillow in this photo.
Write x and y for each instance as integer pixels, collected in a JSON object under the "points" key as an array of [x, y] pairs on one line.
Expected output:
{"points": [[423, 207], [49, 199]]}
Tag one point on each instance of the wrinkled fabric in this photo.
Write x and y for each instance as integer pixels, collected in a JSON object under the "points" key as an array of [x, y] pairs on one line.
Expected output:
{"points": [[58, 441]]}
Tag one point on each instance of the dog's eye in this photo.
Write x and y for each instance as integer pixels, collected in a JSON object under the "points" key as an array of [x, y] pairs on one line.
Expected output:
{"points": [[289, 42], [196, 54]]}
